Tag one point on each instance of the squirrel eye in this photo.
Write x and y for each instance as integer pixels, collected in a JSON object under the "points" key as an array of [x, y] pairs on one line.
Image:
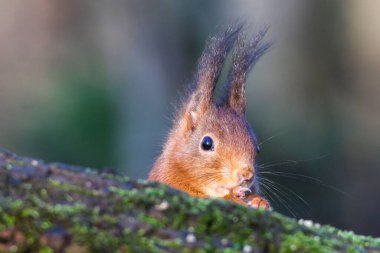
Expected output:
{"points": [[207, 143]]}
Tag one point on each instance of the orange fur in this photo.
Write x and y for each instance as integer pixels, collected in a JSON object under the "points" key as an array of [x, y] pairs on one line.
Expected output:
{"points": [[221, 172]]}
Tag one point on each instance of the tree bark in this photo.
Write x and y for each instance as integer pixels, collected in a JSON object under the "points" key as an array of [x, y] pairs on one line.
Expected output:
{"points": [[62, 208]]}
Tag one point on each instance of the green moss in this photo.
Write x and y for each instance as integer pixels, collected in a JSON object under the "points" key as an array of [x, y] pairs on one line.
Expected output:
{"points": [[45, 249], [16, 163], [108, 213], [299, 242]]}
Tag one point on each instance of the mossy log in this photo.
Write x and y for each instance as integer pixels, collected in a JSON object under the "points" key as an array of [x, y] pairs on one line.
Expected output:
{"points": [[61, 208]]}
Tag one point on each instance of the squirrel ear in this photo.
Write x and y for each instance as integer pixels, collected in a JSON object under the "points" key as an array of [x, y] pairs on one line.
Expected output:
{"points": [[244, 59], [209, 68]]}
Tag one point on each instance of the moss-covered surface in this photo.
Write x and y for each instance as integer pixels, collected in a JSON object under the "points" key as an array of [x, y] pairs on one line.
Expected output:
{"points": [[60, 208]]}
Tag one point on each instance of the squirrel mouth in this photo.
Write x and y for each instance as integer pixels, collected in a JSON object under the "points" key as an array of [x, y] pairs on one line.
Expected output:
{"points": [[246, 183]]}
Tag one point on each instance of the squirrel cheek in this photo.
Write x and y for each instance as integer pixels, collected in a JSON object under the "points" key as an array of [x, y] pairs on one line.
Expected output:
{"points": [[215, 191], [230, 179]]}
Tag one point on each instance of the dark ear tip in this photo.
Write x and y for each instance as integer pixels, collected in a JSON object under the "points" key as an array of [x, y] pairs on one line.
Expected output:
{"points": [[234, 30], [228, 37], [248, 51], [260, 51], [264, 30]]}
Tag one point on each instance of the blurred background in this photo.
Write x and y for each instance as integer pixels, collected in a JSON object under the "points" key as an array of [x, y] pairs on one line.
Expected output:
{"points": [[95, 83]]}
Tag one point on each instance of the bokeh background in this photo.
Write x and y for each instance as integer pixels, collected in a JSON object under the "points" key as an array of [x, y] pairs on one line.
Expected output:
{"points": [[93, 83]]}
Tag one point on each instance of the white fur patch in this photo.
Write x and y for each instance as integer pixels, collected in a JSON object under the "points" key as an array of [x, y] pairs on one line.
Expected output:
{"points": [[215, 191]]}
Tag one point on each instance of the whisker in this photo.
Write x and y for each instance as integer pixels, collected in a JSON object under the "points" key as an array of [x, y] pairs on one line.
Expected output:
{"points": [[202, 178], [266, 194], [287, 194], [278, 189], [285, 162], [291, 175], [274, 164], [314, 158], [301, 176], [270, 138], [275, 192], [292, 192]]}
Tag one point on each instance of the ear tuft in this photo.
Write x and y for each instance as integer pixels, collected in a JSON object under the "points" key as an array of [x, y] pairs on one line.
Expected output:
{"points": [[209, 68], [245, 57]]}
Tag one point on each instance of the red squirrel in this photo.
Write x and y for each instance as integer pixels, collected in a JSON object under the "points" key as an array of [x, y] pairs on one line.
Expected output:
{"points": [[211, 150]]}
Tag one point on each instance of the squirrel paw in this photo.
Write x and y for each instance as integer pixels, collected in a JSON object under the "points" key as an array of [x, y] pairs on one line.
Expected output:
{"points": [[241, 192], [256, 201]]}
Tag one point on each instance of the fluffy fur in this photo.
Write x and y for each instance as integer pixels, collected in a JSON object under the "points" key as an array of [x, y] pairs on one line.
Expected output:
{"points": [[220, 172]]}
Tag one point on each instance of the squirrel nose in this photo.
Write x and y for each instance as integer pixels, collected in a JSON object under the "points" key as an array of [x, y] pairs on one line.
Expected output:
{"points": [[245, 175]]}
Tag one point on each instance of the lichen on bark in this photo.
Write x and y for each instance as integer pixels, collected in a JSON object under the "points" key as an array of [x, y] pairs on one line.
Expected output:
{"points": [[61, 208]]}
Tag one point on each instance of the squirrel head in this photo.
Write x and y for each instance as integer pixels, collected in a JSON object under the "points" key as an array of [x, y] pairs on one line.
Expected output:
{"points": [[211, 148]]}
